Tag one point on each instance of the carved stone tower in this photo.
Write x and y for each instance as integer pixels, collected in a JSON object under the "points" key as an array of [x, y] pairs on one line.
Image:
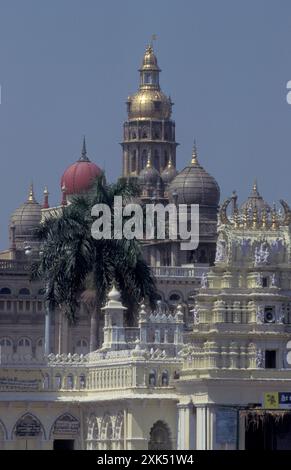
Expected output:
{"points": [[149, 132]]}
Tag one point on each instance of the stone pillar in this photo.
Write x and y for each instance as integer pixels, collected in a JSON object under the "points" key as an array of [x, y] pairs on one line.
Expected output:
{"points": [[186, 426]]}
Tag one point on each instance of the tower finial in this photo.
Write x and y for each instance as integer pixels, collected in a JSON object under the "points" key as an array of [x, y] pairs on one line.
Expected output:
{"points": [[84, 157], [194, 160], [149, 162], [31, 197]]}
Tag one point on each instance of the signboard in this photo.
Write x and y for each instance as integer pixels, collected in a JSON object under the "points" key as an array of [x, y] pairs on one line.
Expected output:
{"points": [[20, 380], [277, 400], [226, 426], [66, 424], [28, 426]]}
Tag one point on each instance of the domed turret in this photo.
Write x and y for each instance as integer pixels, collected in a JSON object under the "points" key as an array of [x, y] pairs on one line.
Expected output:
{"points": [[255, 202], [193, 185], [149, 176], [169, 173], [149, 101], [26, 218], [78, 178]]}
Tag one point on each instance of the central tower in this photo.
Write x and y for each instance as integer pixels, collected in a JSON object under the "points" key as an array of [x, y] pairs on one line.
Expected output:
{"points": [[149, 132]]}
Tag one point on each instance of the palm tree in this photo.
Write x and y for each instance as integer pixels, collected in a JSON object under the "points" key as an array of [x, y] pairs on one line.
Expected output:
{"points": [[76, 267]]}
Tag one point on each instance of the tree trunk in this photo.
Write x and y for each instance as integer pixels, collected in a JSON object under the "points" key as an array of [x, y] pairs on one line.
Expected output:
{"points": [[94, 329]]}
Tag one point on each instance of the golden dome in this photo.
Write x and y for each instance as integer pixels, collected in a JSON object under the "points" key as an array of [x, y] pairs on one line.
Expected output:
{"points": [[149, 60], [149, 101], [149, 104]]}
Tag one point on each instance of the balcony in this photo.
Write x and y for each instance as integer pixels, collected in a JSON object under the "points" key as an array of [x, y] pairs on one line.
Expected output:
{"points": [[12, 266], [180, 271]]}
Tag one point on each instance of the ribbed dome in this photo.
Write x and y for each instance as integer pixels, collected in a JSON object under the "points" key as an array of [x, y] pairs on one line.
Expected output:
{"points": [[255, 201], [193, 185], [149, 175], [149, 103], [169, 173], [78, 178], [149, 60], [27, 217]]}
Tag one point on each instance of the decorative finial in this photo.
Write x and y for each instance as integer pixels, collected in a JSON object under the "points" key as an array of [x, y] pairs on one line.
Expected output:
{"points": [[84, 157], [31, 197], [170, 163], [194, 160], [149, 162], [255, 186]]}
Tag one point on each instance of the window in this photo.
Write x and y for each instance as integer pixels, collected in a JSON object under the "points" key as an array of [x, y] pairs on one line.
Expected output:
{"points": [[269, 314], [265, 282], [24, 346], [58, 382], [24, 291], [270, 359], [152, 378], [5, 291], [70, 382], [165, 378], [82, 346], [175, 297], [82, 381]]}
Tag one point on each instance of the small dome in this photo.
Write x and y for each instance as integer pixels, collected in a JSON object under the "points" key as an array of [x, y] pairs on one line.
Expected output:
{"points": [[255, 201], [169, 173], [78, 178], [149, 60], [193, 185], [149, 103], [27, 217], [149, 175]]}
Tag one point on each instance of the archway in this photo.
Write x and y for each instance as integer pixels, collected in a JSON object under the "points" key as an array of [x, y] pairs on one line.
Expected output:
{"points": [[160, 437], [28, 433]]}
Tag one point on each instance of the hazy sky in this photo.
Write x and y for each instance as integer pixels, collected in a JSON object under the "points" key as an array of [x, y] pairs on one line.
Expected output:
{"points": [[67, 67]]}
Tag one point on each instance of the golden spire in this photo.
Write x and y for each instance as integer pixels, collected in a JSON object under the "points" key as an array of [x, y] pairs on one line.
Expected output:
{"points": [[149, 162], [31, 197], [194, 160], [170, 163]]}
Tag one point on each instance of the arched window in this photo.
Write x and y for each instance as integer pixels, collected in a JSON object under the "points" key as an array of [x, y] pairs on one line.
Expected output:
{"points": [[28, 426], [5, 291], [165, 378], [70, 382], [175, 298], [6, 347], [82, 381], [24, 291], [24, 346], [152, 378], [93, 433], [58, 382], [160, 437], [46, 382], [82, 346], [106, 432]]}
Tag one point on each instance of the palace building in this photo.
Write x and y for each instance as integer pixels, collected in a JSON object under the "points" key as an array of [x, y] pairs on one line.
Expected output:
{"points": [[208, 369]]}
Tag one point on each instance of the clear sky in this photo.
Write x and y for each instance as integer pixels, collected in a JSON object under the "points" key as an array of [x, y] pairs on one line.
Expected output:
{"points": [[67, 67]]}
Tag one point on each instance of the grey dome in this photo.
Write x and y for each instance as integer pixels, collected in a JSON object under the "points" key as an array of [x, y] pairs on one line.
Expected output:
{"points": [[27, 217], [149, 175], [169, 173], [193, 185], [255, 201]]}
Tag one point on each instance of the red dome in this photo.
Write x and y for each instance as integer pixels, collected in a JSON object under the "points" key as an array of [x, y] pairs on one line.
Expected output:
{"points": [[79, 177]]}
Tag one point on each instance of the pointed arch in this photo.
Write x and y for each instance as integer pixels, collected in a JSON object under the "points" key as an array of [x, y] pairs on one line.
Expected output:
{"points": [[160, 436], [65, 424], [28, 425]]}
